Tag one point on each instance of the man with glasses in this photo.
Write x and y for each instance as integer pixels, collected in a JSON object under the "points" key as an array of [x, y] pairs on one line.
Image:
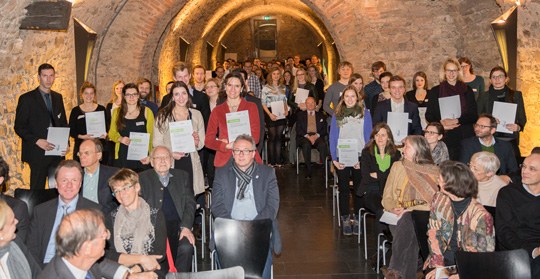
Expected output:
{"points": [[484, 129], [95, 186], [168, 189], [246, 190], [518, 212]]}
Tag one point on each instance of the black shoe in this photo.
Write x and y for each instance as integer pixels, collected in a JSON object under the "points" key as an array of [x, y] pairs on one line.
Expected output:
{"points": [[308, 177]]}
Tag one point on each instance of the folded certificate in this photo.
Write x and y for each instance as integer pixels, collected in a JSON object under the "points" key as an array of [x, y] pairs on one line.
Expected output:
{"points": [[390, 218], [138, 147], [399, 124], [506, 113], [59, 136], [348, 152], [278, 109], [450, 107], [238, 124], [95, 123], [182, 136], [301, 95]]}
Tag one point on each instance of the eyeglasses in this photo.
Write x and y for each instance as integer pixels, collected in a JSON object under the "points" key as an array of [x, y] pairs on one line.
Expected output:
{"points": [[498, 77], [117, 192], [242, 152], [132, 95], [452, 71], [426, 132], [476, 125]]}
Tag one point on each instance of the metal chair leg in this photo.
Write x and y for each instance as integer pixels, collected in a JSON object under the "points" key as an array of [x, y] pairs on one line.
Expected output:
{"points": [[194, 267], [297, 162], [365, 232], [361, 224]]}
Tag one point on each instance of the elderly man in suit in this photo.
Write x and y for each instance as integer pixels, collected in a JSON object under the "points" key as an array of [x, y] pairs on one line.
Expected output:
{"points": [[311, 132], [95, 186], [168, 189], [37, 110], [246, 190]]}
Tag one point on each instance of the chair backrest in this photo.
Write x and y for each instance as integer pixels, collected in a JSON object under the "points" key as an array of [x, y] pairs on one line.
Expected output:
{"points": [[513, 264], [236, 272], [35, 197], [243, 243]]}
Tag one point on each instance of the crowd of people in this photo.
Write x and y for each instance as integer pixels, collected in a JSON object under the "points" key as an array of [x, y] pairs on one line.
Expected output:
{"points": [[451, 182]]}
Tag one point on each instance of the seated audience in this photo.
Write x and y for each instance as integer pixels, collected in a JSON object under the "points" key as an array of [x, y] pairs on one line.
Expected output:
{"points": [[484, 165], [518, 212], [434, 133], [457, 221], [20, 209], [311, 131], [484, 128]]}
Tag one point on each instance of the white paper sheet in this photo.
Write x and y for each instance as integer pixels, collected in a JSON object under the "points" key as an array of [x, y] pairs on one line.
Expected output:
{"points": [[506, 113], [422, 114], [59, 136], [278, 109], [348, 152], [450, 107], [445, 272], [95, 123], [138, 147], [390, 218], [399, 124], [238, 124], [301, 95], [182, 136]]}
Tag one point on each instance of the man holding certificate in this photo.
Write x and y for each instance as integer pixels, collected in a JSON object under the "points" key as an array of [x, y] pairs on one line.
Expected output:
{"points": [[37, 110]]}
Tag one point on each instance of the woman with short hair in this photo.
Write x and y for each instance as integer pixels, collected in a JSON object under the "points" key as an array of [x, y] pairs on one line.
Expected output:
{"points": [[484, 165]]}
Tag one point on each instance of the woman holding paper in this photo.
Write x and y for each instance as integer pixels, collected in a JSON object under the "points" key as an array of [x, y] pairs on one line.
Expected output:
{"points": [[217, 134], [351, 121], [179, 109], [274, 103], [300, 82], [457, 221], [77, 118], [409, 190], [130, 117], [500, 92], [315, 78], [457, 128]]}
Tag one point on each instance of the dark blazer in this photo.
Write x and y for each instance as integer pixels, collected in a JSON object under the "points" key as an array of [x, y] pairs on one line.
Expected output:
{"points": [[381, 115], [180, 190], [265, 191], [369, 165], [58, 269], [20, 209], [503, 150], [32, 120], [301, 124], [105, 197], [42, 222]]}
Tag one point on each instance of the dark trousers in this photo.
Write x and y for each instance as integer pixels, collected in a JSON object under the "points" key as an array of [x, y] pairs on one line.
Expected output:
{"points": [[275, 139], [42, 168], [535, 267], [372, 202], [421, 220], [181, 249], [306, 146], [344, 190]]}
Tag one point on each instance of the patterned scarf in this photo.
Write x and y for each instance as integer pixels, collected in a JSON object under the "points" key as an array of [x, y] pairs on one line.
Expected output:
{"points": [[423, 179], [347, 112], [134, 230], [244, 177]]}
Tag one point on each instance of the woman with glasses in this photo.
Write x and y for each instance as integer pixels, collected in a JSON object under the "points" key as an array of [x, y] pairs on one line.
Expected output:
{"points": [[179, 109], [500, 92], [213, 91], [434, 133], [138, 233], [130, 117], [77, 118], [301, 82], [460, 127], [475, 82]]}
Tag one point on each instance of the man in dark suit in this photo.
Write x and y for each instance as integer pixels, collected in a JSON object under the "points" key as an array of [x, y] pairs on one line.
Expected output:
{"points": [[246, 190], [168, 189], [311, 131], [484, 129], [397, 103], [37, 110], [95, 186], [20, 210]]}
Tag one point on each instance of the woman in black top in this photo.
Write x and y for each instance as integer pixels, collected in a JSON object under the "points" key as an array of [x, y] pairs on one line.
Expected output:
{"points": [[114, 102], [315, 78], [420, 90], [77, 118]]}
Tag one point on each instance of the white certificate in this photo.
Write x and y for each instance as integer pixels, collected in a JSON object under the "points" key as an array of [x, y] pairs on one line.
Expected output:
{"points": [[138, 147], [301, 95], [506, 113], [95, 123], [238, 124], [422, 114], [450, 107], [389, 218], [59, 136], [348, 152], [278, 109], [399, 125], [182, 136]]}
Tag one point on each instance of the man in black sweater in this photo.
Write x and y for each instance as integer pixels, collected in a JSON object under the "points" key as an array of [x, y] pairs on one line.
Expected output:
{"points": [[518, 212]]}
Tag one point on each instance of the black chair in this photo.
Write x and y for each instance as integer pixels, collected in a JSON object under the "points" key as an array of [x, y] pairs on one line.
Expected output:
{"points": [[242, 243], [35, 197], [236, 272], [513, 264]]}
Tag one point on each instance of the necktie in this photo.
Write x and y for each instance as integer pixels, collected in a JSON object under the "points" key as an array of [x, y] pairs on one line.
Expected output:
{"points": [[65, 209], [89, 275], [48, 102]]}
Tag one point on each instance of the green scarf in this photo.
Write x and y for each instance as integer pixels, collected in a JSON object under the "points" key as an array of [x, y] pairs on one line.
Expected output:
{"points": [[347, 112], [383, 163]]}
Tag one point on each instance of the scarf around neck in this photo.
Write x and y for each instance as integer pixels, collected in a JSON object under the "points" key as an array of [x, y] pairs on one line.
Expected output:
{"points": [[383, 163], [347, 112], [134, 229], [17, 264], [244, 177], [422, 178], [447, 90]]}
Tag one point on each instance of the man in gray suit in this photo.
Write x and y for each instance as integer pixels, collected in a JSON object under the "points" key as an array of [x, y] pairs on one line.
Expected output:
{"points": [[246, 190]]}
